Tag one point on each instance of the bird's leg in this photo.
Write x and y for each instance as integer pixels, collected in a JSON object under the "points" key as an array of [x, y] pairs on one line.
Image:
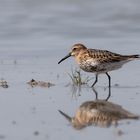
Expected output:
{"points": [[96, 93], [96, 80], [109, 78], [109, 94]]}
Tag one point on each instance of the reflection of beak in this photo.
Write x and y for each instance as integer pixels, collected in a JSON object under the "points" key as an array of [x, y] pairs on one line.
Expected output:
{"points": [[65, 115], [67, 56]]}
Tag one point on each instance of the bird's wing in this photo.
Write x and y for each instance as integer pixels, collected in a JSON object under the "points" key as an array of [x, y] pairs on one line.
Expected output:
{"points": [[106, 56], [100, 109], [113, 110]]}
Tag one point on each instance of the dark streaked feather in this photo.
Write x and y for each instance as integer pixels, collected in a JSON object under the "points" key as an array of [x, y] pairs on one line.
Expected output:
{"points": [[107, 56]]}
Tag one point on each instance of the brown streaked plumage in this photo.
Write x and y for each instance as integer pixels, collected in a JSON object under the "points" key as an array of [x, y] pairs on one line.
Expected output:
{"points": [[98, 61], [99, 113]]}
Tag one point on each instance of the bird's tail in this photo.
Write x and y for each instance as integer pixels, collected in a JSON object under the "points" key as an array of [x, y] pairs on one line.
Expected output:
{"points": [[132, 116], [136, 56], [132, 57]]}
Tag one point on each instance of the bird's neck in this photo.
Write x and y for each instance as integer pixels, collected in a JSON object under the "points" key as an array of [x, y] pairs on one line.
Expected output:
{"points": [[81, 56]]}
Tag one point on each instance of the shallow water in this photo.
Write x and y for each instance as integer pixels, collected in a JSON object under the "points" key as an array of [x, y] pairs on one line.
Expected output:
{"points": [[34, 36]]}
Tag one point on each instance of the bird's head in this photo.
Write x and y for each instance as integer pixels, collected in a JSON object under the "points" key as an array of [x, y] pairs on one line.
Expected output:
{"points": [[75, 50]]}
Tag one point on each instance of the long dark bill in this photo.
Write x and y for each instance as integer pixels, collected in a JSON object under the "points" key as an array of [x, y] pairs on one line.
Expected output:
{"points": [[67, 56], [65, 115]]}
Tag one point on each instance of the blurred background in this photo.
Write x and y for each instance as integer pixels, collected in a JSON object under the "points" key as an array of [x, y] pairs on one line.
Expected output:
{"points": [[57, 24], [52, 20]]}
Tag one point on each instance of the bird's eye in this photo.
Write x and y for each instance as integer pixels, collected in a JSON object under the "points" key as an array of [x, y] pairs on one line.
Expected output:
{"points": [[74, 49]]}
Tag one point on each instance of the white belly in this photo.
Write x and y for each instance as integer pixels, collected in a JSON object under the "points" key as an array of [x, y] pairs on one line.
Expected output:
{"points": [[97, 67]]}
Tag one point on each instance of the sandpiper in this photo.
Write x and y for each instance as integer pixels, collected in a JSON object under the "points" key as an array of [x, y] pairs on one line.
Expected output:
{"points": [[99, 113], [98, 61]]}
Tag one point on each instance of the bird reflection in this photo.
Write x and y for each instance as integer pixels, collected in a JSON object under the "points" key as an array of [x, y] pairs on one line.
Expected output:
{"points": [[77, 90], [96, 94], [98, 113]]}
